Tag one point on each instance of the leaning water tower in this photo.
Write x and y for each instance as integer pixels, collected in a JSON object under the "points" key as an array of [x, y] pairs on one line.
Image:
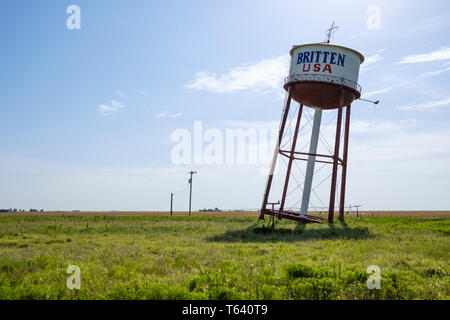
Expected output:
{"points": [[322, 78]]}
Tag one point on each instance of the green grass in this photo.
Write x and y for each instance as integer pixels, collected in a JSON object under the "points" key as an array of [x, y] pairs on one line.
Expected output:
{"points": [[162, 257]]}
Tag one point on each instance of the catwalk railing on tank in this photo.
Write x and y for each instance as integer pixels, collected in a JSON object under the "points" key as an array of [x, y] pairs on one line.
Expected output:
{"points": [[323, 78]]}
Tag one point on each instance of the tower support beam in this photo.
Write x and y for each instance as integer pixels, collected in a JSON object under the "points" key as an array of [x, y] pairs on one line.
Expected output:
{"points": [[276, 151], [311, 162], [344, 163], [335, 161], [291, 157]]}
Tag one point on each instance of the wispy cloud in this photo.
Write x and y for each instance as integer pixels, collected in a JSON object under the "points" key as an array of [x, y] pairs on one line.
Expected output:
{"points": [[429, 24], [381, 127], [167, 115], [113, 107], [369, 61], [373, 93], [120, 94], [426, 105], [265, 75], [252, 124], [441, 54], [434, 73]]}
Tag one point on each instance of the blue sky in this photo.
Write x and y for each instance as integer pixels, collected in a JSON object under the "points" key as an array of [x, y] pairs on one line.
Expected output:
{"points": [[87, 115]]}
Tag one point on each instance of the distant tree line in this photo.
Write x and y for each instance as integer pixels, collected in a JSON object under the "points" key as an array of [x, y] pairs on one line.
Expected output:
{"points": [[20, 210], [210, 210]]}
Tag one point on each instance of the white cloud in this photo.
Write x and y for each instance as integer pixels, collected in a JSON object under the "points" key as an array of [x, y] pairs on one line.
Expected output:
{"points": [[166, 115], [370, 61], [106, 110], [441, 54], [120, 94], [266, 75], [373, 93], [381, 127], [426, 105], [252, 124], [429, 24], [401, 144], [434, 73]]}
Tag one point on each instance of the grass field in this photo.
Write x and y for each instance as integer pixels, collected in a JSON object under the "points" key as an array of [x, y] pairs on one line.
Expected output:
{"points": [[222, 256]]}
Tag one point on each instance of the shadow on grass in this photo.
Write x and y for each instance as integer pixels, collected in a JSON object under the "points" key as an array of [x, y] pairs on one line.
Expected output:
{"points": [[302, 232]]}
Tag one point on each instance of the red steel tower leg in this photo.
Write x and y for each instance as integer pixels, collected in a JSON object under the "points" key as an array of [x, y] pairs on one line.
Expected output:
{"points": [[344, 164], [277, 150], [335, 161], [291, 157]]}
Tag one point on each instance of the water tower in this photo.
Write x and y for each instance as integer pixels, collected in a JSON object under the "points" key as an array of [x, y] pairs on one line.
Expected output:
{"points": [[323, 77]]}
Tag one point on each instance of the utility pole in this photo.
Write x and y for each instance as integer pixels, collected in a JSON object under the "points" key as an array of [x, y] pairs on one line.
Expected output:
{"points": [[190, 190], [357, 209], [171, 203]]}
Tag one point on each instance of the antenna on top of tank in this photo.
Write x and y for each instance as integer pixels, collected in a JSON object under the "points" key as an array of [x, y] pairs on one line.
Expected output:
{"points": [[330, 32]]}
